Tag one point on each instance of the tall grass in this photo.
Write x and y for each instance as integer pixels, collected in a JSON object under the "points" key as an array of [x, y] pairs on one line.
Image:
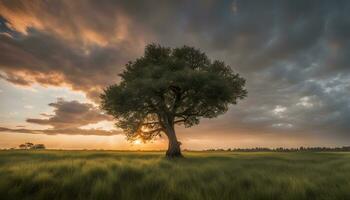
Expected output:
{"points": [[134, 175]]}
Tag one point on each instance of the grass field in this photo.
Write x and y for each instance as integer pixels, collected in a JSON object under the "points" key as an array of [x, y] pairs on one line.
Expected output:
{"points": [[135, 175]]}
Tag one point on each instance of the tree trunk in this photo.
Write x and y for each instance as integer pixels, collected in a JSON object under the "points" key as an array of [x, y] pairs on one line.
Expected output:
{"points": [[174, 150]]}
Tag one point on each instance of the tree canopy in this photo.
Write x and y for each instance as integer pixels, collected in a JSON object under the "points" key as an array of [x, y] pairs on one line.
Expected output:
{"points": [[168, 87]]}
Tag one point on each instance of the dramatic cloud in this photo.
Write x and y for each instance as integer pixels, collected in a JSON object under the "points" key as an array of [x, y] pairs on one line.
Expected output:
{"points": [[83, 47], [47, 60], [295, 54], [70, 118], [71, 114]]}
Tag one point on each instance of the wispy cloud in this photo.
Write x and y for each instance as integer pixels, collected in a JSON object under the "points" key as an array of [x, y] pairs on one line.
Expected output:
{"points": [[69, 131]]}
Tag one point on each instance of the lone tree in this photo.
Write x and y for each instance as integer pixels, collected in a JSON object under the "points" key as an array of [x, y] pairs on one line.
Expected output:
{"points": [[168, 87]]}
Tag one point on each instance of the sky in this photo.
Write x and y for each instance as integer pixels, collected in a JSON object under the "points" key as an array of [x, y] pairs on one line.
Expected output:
{"points": [[57, 56]]}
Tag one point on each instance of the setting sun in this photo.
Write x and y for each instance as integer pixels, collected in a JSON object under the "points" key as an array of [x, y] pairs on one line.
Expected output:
{"points": [[137, 142]]}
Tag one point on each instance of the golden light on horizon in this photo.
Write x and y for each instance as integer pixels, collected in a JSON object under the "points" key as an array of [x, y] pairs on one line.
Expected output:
{"points": [[137, 142]]}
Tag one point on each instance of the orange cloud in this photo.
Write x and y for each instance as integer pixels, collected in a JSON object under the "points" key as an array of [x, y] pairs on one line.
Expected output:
{"points": [[21, 16], [76, 23]]}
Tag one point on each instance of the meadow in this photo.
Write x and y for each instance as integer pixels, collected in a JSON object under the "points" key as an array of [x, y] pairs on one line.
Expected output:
{"points": [[49, 174]]}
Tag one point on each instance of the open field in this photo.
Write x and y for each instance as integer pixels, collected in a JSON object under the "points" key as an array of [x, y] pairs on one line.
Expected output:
{"points": [[135, 175]]}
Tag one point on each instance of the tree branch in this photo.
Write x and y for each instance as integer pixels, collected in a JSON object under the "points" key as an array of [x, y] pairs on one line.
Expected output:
{"points": [[181, 120], [152, 131]]}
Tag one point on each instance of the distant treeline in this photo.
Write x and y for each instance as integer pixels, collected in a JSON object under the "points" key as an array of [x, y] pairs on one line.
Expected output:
{"points": [[282, 149], [29, 145]]}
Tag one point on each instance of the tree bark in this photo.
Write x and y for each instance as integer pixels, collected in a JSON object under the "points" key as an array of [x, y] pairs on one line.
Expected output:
{"points": [[174, 150]]}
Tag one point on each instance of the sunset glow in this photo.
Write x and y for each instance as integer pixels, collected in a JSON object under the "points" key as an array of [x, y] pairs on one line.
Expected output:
{"points": [[54, 66], [137, 142]]}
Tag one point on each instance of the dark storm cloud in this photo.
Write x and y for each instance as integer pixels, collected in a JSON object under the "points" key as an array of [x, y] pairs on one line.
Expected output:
{"points": [[295, 54]]}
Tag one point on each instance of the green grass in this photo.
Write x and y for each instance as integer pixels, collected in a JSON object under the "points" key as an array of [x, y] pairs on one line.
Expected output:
{"points": [[135, 175]]}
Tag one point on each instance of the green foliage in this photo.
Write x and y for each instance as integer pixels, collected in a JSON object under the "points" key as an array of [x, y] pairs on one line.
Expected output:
{"points": [[170, 86], [59, 175]]}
